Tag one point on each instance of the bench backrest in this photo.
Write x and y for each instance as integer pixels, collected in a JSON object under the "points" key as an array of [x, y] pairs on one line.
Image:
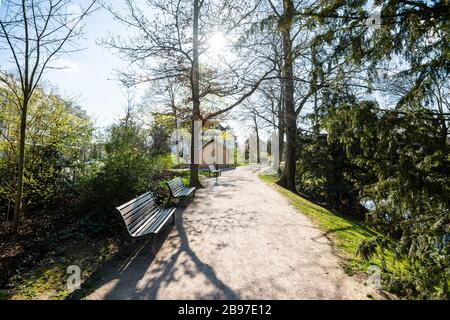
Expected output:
{"points": [[176, 185], [137, 211], [212, 168]]}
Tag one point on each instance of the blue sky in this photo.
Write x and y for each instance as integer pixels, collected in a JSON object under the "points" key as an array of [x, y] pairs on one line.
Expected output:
{"points": [[89, 75]]}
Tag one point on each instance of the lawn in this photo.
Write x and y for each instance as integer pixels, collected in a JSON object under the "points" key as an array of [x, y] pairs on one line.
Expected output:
{"points": [[184, 175]]}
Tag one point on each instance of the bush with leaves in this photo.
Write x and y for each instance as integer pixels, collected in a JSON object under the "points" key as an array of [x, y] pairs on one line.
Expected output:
{"points": [[324, 173], [130, 169], [57, 137], [406, 165]]}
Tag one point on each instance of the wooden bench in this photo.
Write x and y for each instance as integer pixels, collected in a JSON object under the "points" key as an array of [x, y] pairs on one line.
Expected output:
{"points": [[178, 189], [142, 216], [213, 170]]}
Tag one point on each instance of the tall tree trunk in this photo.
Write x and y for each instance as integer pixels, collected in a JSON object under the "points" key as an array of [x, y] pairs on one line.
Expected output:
{"points": [[281, 126], [258, 155], [20, 169], [287, 179], [177, 137], [315, 76], [195, 76]]}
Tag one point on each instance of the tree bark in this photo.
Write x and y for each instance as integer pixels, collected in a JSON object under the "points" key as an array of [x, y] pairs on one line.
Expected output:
{"points": [[195, 79], [20, 169], [177, 137], [258, 155], [287, 179], [281, 127]]}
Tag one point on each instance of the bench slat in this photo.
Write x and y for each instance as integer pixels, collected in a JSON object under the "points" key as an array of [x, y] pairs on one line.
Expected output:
{"points": [[142, 215], [178, 189], [145, 223], [177, 182], [213, 169], [142, 218], [143, 207], [135, 201], [184, 192], [158, 223]]}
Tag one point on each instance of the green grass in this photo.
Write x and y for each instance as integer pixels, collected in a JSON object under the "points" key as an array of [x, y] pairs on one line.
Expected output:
{"points": [[184, 175], [345, 233], [47, 280], [47, 283]]}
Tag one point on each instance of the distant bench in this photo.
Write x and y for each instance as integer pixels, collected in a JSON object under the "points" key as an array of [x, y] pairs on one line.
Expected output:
{"points": [[178, 189], [142, 216], [213, 170]]}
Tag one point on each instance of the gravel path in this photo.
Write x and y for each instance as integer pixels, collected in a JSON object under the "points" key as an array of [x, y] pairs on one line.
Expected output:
{"points": [[239, 239]]}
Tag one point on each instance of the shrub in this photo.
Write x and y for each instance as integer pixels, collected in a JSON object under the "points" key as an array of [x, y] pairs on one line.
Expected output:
{"points": [[130, 169]]}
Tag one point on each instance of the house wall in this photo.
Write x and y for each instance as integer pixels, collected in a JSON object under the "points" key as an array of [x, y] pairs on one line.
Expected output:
{"points": [[215, 153]]}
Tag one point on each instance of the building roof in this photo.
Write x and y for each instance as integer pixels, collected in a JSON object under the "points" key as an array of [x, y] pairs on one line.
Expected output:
{"points": [[210, 141]]}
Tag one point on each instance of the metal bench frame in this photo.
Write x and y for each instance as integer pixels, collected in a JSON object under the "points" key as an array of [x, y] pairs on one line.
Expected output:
{"points": [[178, 189], [143, 216], [216, 172]]}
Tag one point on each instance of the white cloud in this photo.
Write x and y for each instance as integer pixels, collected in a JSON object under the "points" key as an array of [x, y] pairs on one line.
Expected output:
{"points": [[65, 65]]}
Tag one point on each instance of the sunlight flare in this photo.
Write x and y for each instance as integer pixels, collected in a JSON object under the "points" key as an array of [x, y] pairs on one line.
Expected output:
{"points": [[217, 43]]}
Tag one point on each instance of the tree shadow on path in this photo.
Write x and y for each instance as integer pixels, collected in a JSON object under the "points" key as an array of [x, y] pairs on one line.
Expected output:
{"points": [[130, 277]]}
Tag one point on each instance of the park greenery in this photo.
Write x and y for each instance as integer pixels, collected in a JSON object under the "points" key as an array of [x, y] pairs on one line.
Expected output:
{"points": [[360, 102]]}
